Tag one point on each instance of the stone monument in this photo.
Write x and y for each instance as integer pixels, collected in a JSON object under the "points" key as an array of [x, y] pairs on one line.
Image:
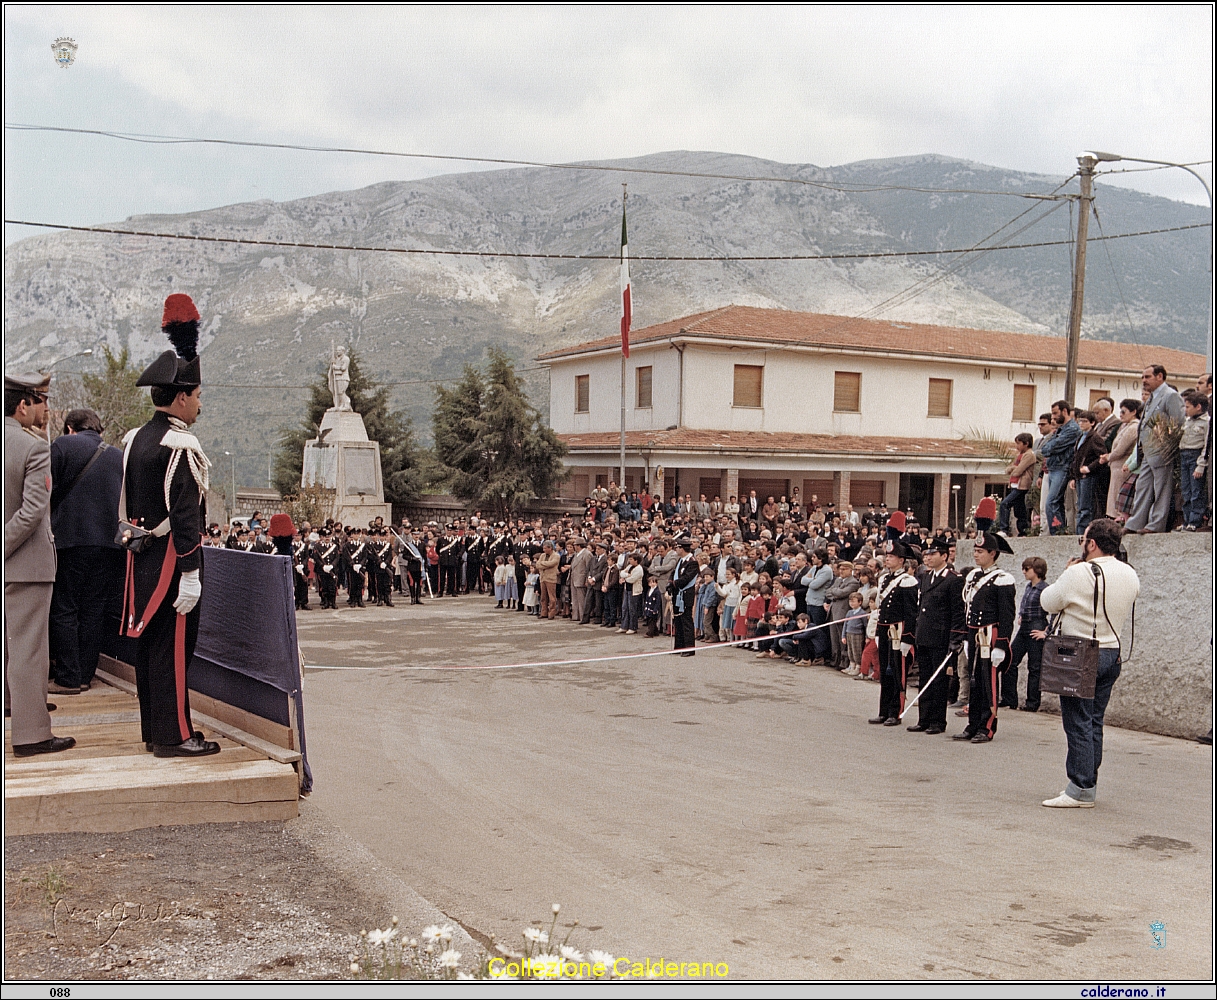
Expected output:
{"points": [[342, 459]]}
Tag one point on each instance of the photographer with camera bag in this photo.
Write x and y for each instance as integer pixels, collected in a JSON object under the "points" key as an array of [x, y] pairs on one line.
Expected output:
{"points": [[1091, 598]]}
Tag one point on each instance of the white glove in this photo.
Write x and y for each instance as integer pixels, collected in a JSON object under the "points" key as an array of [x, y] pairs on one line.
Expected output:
{"points": [[997, 656], [905, 648], [189, 589], [327, 567]]}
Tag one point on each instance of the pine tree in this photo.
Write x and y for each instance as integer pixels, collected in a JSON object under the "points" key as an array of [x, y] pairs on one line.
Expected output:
{"points": [[491, 441], [399, 453], [114, 396]]}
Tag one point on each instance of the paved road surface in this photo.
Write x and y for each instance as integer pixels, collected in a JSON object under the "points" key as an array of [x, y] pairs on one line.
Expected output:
{"points": [[723, 808]]}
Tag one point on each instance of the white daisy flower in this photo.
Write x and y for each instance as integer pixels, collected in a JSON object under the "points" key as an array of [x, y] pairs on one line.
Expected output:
{"points": [[431, 932], [536, 936], [378, 937], [598, 957], [570, 954], [450, 959]]}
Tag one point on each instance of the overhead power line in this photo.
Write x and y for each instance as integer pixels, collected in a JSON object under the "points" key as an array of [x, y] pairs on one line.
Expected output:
{"points": [[842, 186], [426, 251]]}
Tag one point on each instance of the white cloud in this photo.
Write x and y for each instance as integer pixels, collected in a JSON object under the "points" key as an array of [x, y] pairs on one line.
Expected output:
{"points": [[1019, 87]]}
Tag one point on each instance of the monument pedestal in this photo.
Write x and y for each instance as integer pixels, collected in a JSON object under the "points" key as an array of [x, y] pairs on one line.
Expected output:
{"points": [[342, 459]]}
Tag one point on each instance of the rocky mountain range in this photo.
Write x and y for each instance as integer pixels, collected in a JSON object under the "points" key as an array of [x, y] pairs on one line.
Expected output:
{"points": [[270, 314]]}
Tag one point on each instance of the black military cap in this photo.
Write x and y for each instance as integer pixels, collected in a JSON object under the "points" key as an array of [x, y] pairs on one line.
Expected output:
{"points": [[171, 372], [993, 542], [938, 544]]}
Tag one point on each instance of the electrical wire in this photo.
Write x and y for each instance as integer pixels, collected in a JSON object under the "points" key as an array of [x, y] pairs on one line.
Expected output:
{"points": [[1116, 278], [844, 187], [874, 255], [924, 284]]}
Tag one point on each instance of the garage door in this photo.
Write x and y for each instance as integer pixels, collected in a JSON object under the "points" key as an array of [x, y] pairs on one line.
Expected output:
{"points": [[864, 491], [821, 488]]}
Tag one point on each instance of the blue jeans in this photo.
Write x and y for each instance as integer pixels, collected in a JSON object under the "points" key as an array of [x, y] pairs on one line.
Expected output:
{"points": [[1083, 721], [1058, 480], [1085, 487], [1194, 500], [1014, 500]]}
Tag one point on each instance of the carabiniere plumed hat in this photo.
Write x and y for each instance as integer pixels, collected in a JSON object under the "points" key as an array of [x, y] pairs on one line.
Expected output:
{"points": [[179, 368]]}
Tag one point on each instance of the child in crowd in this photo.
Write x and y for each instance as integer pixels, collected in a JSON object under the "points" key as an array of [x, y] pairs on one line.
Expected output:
{"points": [[513, 587], [758, 608], [705, 609], [779, 622], [739, 628], [854, 630], [500, 580], [532, 584], [730, 594], [797, 647], [652, 607], [870, 652], [1028, 638]]}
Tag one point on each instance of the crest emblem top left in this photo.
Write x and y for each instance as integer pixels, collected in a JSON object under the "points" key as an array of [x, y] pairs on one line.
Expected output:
{"points": [[65, 51]]}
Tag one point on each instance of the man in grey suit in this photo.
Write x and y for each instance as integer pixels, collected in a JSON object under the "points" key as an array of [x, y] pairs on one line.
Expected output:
{"points": [[1155, 483], [580, 564], [29, 565]]}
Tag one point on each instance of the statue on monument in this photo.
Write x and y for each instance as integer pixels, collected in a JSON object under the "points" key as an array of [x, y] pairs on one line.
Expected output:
{"points": [[340, 377]]}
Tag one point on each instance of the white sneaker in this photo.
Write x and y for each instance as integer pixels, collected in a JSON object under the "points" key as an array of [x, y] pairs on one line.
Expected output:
{"points": [[631, 631], [1066, 801], [620, 631]]}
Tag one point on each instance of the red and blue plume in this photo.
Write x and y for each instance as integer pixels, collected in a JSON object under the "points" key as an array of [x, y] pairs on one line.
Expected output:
{"points": [[180, 322], [896, 524]]}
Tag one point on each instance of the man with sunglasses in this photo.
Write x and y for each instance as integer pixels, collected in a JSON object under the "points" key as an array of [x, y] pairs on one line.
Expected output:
{"points": [[29, 565]]}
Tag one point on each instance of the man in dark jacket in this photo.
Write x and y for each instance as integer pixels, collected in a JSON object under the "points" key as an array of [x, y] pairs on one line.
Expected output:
{"points": [[940, 630], [1086, 467], [87, 477], [165, 493]]}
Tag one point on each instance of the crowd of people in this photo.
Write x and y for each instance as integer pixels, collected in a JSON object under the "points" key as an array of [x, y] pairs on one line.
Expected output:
{"points": [[868, 592], [1146, 463]]}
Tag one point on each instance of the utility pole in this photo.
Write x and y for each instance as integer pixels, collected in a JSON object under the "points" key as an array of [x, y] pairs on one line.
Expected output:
{"points": [[1086, 165]]}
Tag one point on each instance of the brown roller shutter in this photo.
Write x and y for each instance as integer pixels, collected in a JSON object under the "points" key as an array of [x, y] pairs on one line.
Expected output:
{"points": [[940, 397], [748, 382], [847, 392]]}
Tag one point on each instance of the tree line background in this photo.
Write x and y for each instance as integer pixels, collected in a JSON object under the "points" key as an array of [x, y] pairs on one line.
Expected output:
{"points": [[491, 447]]}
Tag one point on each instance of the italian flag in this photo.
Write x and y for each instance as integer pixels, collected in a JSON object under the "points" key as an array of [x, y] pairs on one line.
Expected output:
{"points": [[626, 310]]}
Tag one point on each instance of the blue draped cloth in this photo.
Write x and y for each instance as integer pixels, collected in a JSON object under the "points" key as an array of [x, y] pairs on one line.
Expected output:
{"points": [[247, 625]]}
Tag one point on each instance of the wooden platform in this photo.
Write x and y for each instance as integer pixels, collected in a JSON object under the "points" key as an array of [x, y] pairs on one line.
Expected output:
{"points": [[109, 782]]}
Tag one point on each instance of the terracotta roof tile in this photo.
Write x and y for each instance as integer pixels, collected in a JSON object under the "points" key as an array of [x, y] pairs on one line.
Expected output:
{"points": [[779, 326], [754, 442]]}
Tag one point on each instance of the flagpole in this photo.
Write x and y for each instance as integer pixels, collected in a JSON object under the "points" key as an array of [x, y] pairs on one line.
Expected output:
{"points": [[621, 484]]}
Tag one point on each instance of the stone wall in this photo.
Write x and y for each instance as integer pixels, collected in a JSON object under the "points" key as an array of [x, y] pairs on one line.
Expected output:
{"points": [[1166, 684]]}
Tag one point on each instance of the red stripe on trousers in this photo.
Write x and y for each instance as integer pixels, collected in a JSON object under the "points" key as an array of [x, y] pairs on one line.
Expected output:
{"points": [[128, 595], [179, 675], [158, 595]]}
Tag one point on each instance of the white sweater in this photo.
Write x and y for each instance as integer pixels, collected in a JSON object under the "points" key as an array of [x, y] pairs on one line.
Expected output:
{"points": [[1072, 596]]}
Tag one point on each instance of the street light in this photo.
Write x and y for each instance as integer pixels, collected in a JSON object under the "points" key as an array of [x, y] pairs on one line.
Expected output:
{"points": [[1117, 158], [80, 354], [955, 498]]}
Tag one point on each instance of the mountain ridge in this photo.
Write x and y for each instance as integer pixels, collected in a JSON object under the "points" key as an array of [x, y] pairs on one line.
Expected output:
{"points": [[269, 313]]}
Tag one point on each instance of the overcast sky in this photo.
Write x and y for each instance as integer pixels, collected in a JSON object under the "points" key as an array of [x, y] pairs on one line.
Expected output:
{"points": [[1021, 87]]}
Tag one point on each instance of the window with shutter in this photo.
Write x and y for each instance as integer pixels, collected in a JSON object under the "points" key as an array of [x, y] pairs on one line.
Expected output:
{"points": [[940, 397], [643, 383], [847, 392], [1096, 395], [1024, 404], [582, 393], [748, 380]]}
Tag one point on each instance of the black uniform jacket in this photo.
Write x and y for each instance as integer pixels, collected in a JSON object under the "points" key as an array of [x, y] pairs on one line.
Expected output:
{"points": [[989, 600], [898, 604], [940, 611], [147, 463]]}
